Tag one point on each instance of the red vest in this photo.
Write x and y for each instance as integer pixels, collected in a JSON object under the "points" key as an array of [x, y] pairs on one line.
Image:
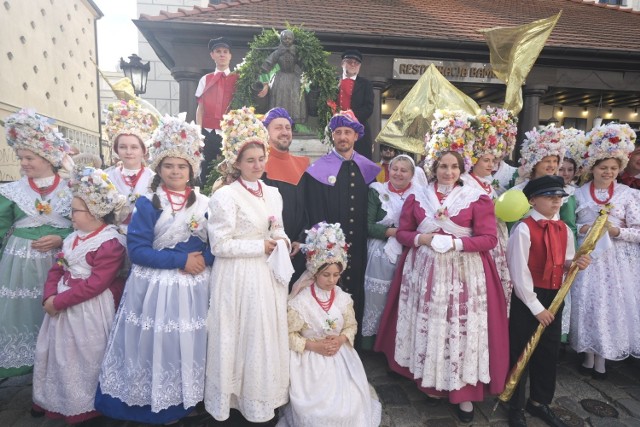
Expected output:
{"points": [[216, 98], [344, 96], [546, 264]]}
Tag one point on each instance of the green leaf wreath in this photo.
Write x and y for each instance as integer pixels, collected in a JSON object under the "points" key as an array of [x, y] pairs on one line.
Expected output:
{"points": [[320, 75]]}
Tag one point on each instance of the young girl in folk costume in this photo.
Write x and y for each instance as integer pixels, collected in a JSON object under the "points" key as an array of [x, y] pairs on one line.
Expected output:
{"points": [[128, 127], [34, 214], [445, 323], [248, 355], [81, 294], [574, 142], [328, 384], [605, 320], [495, 136], [542, 153], [153, 370], [383, 215]]}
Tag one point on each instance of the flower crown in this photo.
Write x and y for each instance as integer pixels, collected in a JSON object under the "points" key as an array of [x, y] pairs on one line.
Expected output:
{"points": [[539, 144], [129, 118], [325, 244], [96, 190], [496, 130], [239, 127], [176, 138], [450, 131], [26, 130], [612, 140], [575, 143]]}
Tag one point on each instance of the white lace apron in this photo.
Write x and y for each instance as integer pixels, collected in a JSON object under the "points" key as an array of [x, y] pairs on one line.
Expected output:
{"points": [[71, 344], [442, 331], [166, 309]]}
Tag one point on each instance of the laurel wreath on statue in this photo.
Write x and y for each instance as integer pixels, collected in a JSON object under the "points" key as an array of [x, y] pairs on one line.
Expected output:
{"points": [[319, 76]]}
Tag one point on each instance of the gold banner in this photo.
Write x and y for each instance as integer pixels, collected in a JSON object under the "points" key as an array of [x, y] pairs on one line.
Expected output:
{"points": [[409, 123], [514, 50]]}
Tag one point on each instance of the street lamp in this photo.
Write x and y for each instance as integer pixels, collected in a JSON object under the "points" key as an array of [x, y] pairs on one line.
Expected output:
{"points": [[552, 120], [137, 72]]}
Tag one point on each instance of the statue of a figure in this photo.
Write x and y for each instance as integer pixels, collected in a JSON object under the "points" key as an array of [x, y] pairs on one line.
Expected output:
{"points": [[285, 85]]}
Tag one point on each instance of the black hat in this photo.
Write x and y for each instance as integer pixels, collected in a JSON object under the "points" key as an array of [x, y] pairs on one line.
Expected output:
{"points": [[352, 54], [220, 41], [548, 185]]}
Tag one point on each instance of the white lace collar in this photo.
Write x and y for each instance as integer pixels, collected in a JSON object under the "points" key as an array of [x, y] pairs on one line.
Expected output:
{"points": [[44, 182], [129, 172]]}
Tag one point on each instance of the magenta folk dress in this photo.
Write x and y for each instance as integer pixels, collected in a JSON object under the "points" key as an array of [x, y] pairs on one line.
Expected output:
{"points": [[445, 323]]}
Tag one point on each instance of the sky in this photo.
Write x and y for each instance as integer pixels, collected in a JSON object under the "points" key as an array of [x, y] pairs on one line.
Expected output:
{"points": [[117, 35]]}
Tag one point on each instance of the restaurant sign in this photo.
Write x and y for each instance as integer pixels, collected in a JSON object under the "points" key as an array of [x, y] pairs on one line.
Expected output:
{"points": [[477, 72]]}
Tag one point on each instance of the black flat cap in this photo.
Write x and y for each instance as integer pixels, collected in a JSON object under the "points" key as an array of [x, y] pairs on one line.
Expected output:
{"points": [[220, 41], [352, 54], [548, 185]]}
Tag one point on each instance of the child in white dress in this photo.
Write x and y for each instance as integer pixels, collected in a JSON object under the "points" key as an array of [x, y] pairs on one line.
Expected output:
{"points": [[81, 294], [328, 384]]}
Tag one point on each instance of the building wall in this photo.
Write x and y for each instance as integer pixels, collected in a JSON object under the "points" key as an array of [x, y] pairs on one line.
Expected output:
{"points": [[162, 89], [45, 64]]}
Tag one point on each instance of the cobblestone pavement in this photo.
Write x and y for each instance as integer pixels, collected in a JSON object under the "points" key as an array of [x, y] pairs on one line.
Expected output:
{"points": [[580, 400]]}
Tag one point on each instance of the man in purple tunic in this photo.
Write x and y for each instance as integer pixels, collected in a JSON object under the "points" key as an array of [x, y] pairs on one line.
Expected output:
{"points": [[337, 189]]}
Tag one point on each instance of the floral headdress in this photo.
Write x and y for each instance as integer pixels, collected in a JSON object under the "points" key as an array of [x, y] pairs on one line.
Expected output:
{"points": [[450, 131], [26, 130], [612, 140], [97, 191], [240, 127], [575, 144], [129, 118], [539, 144], [176, 138], [496, 130], [325, 244]]}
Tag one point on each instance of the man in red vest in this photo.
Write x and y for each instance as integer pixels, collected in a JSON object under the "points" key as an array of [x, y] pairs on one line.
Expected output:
{"points": [[214, 93], [356, 94], [540, 248]]}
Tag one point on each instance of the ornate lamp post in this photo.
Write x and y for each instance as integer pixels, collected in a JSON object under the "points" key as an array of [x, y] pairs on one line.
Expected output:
{"points": [[137, 72]]}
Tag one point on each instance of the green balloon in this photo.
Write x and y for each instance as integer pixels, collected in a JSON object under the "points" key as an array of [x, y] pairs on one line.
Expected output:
{"points": [[512, 205]]}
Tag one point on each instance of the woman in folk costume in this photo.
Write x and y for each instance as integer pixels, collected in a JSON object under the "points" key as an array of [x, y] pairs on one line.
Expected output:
{"points": [[500, 124], [248, 355], [129, 126], [153, 369], [542, 153], [34, 214], [383, 216], [328, 384], [605, 320], [81, 294], [574, 142], [445, 323], [495, 135]]}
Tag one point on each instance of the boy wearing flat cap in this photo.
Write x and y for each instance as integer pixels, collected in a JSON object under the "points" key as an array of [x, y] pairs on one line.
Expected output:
{"points": [[214, 94], [540, 248], [356, 94]]}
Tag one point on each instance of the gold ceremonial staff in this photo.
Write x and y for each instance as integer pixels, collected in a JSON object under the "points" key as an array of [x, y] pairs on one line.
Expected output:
{"points": [[595, 232]]}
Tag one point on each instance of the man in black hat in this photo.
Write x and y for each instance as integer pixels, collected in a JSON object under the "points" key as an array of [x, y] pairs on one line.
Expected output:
{"points": [[214, 93], [356, 93]]}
